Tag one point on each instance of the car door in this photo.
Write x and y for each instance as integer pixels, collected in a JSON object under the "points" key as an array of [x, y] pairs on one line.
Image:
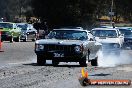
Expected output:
{"points": [[16, 30]]}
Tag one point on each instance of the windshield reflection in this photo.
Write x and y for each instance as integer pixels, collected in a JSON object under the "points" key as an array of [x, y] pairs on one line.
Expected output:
{"points": [[104, 33], [126, 32], [68, 34]]}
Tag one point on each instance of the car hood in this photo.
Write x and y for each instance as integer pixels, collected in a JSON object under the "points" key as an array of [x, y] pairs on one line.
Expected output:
{"points": [[57, 41], [107, 40]]}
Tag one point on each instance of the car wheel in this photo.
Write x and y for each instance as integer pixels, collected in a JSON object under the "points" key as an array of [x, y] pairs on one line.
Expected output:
{"points": [[34, 39], [55, 63], [40, 60], [25, 40], [18, 39], [83, 62], [11, 39], [94, 62]]}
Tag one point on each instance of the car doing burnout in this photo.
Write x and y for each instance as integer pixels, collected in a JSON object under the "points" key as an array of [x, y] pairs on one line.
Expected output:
{"points": [[10, 32], [110, 38], [67, 45]]}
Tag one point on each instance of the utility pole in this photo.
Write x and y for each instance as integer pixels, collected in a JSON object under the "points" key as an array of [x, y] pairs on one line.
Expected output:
{"points": [[20, 10], [111, 12]]}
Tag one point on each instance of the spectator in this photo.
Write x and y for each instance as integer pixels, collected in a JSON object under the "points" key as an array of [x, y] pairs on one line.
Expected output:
{"points": [[45, 29], [36, 25]]}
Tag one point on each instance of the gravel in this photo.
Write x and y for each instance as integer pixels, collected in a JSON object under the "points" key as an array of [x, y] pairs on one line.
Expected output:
{"points": [[18, 69]]}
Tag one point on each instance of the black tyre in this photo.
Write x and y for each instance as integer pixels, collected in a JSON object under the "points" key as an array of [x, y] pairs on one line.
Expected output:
{"points": [[40, 60], [25, 40], [11, 39], [55, 63], [34, 39], [94, 62], [18, 39], [83, 62]]}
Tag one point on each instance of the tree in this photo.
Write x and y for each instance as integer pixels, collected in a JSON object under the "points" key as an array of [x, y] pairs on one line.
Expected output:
{"points": [[11, 8]]}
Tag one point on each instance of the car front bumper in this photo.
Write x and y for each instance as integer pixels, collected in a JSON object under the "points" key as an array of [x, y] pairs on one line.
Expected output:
{"points": [[61, 56]]}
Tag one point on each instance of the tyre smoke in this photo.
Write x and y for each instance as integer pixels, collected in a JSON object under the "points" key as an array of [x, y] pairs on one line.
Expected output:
{"points": [[112, 60]]}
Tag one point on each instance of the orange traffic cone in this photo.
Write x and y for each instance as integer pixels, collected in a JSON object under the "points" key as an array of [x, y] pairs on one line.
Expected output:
{"points": [[1, 43]]}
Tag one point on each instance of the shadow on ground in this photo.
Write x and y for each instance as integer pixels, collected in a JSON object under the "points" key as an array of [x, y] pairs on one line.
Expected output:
{"points": [[101, 74], [35, 64]]}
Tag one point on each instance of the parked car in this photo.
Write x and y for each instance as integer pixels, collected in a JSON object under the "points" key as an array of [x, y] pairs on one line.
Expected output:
{"points": [[10, 32], [127, 36], [110, 38], [27, 32], [67, 45]]}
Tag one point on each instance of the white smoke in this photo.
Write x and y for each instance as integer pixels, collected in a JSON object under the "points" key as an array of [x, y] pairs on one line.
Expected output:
{"points": [[111, 60]]}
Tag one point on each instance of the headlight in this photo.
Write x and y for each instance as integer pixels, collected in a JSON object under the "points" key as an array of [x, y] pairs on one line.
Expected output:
{"points": [[116, 46], [39, 47], [77, 49]]}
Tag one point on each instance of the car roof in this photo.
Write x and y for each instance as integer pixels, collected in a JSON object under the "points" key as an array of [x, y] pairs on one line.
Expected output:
{"points": [[104, 29], [124, 27], [70, 29]]}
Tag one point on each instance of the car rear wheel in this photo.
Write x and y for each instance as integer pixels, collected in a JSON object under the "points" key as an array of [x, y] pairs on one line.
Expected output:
{"points": [[94, 62], [40, 60]]}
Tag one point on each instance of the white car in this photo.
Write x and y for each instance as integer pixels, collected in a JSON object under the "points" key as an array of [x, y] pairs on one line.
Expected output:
{"points": [[110, 38], [28, 32], [67, 45]]}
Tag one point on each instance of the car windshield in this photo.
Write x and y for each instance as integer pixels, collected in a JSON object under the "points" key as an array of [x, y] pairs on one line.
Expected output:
{"points": [[23, 27], [126, 32], [6, 25], [68, 34], [104, 33]]}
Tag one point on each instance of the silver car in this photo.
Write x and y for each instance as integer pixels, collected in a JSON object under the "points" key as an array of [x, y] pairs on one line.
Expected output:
{"points": [[67, 45]]}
